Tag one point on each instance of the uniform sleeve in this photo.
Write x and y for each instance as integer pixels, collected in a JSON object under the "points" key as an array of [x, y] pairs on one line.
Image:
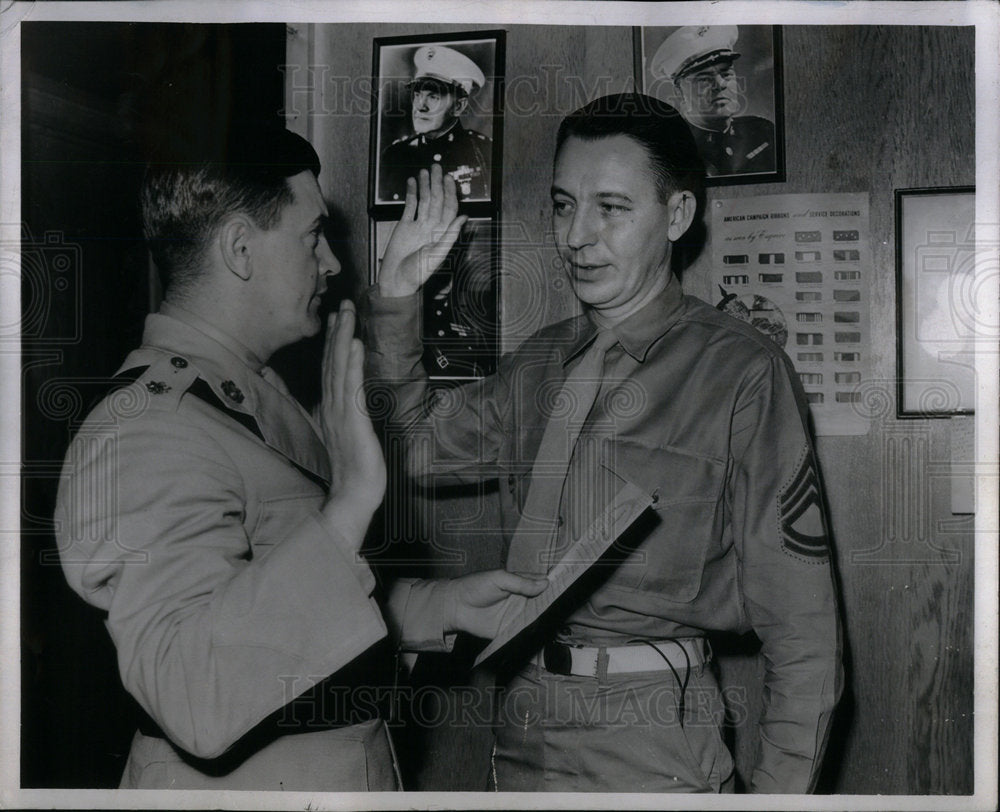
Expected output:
{"points": [[210, 640], [780, 531], [452, 436], [415, 612]]}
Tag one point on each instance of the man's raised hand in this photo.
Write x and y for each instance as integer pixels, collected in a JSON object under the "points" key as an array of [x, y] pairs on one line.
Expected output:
{"points": [[424, 235], [356, 462]]}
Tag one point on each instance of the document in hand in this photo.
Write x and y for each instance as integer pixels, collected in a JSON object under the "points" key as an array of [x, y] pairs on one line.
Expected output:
{"points": [[582, 553]]}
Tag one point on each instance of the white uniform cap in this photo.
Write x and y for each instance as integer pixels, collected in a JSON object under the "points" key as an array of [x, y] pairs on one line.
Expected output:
{"points": [[449, 66], [693, 47]]}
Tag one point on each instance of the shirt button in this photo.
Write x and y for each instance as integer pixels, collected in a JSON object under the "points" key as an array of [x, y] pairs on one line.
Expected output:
{"points": [[178, 362], [437, 156]]}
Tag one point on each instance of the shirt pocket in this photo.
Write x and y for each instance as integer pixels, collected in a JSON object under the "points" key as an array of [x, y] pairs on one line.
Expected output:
{"points": [[668, 546], [277, 516]]}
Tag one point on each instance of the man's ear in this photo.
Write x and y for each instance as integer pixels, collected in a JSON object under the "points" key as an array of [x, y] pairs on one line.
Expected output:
{"points": [[461, 102], [681, 207], [234, 244]]}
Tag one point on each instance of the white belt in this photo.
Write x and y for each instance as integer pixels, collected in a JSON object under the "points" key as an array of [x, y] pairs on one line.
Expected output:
{"points": [[585, 661]]}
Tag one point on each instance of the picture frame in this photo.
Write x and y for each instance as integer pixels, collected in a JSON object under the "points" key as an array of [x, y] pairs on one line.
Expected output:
{"points": [[741, 133], [461, 302], [463, 131], [935, 328]]}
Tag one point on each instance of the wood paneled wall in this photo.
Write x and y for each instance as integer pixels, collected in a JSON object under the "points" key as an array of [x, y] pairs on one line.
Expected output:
{"points": [[867, 109]]}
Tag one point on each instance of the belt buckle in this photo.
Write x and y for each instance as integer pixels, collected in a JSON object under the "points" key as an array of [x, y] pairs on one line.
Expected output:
{"points": [[557, 659]]}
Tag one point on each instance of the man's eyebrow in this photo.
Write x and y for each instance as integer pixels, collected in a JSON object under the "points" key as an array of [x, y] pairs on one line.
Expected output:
{"points": [[558, 190], [614, 196]]}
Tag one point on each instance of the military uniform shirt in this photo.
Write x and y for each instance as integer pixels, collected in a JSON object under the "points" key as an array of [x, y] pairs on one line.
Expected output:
{"points": [[464, 154], [704, 414], [745, 147], [188, 510]]}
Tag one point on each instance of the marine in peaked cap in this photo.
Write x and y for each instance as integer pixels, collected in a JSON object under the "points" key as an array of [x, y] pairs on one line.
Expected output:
{"points": [[443, 81], [699, 60]]}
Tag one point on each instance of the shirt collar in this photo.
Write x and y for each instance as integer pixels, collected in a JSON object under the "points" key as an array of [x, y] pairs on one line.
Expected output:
{"points": [[241, 351], [425, 139], [642, 329]]}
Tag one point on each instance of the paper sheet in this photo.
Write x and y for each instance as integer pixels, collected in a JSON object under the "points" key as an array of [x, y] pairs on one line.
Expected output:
{"points": [[624, 509]]}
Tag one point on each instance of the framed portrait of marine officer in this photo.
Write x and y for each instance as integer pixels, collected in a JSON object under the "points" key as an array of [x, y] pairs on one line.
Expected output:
{"points": [[725, 80], [437, 99]]}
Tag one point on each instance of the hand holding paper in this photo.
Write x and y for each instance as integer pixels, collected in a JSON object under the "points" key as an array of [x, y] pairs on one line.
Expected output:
{"points": [[522, 610], [476, 603]]}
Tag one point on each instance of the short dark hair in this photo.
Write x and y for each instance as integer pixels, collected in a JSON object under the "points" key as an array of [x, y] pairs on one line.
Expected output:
{"points": [[667, 139], [185, 197], [655, 125]]}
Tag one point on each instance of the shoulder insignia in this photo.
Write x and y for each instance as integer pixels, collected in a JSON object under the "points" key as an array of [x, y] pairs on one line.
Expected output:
{"points": [[803, 529], [232, 391], [168, 377]]}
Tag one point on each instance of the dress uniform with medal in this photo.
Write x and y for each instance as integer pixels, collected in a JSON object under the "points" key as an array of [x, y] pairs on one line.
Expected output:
{"points": [[456, 344], [699, 60], [464, 154]]}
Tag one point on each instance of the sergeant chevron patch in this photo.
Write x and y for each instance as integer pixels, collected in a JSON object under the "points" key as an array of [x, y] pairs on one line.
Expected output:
{"points": [[803, 530]]}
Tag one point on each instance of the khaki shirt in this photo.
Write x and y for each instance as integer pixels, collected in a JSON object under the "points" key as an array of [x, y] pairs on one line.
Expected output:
{"points": [[188, 510], [707, 416]]}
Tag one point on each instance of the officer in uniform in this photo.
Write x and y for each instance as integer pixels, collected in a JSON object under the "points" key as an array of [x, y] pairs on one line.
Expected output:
{"points": [[613, 689], [699, 60], [442, 83], [218, 524]]}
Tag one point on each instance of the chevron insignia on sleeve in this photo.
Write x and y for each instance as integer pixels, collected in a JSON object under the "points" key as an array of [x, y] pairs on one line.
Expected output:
{"points": [[803, 529]]}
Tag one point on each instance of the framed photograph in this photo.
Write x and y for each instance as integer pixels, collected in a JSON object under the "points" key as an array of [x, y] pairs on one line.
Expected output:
{"points": [[935, 285], [726, 82], [461, 303], [437, 99]]}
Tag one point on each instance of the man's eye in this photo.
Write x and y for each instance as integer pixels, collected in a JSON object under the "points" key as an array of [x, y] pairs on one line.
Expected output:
{"points": [[560, 206], [613, 208]]}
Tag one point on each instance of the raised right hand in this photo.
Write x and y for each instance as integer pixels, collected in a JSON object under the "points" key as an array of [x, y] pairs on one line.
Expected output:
{"points": [[423, 237], [356, 462]]}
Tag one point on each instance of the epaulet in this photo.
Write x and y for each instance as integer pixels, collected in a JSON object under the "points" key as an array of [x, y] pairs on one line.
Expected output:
{"points": [[405, 138], [477, 134], [167, 379]]}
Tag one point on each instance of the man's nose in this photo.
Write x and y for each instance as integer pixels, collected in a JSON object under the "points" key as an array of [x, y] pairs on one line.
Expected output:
{"points": [[328, 264], [581, 230]]}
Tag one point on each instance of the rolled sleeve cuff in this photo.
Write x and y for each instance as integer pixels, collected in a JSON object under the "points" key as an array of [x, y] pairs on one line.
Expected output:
{"points": [[416, 613], [393, 330]]}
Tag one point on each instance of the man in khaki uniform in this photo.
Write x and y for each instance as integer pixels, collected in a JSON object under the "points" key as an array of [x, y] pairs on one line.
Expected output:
{"points": [[218, 524], [613, 690]]}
